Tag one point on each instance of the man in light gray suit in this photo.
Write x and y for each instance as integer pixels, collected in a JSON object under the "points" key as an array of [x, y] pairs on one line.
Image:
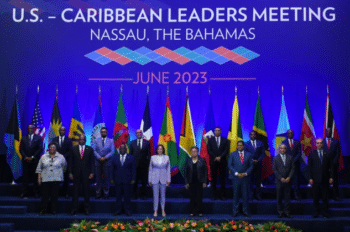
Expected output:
{"points": [[283, 168], [103, 151]]}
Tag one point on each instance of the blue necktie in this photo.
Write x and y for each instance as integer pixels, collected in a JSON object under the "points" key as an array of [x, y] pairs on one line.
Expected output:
{"points": [[320, 155]]}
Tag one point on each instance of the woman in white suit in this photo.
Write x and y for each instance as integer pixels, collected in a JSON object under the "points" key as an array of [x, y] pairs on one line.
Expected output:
{"points": [[159, 178]]}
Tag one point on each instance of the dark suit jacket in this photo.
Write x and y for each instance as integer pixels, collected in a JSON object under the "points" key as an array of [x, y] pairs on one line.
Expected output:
{"points": [[215, 151], [77, 165], [65, 147], [296, 152], [235, 164], [320, 172], [142, 156], [259, 153], [201, 170], [35, 149], [334, 150], [126, 173], [283, 171]]}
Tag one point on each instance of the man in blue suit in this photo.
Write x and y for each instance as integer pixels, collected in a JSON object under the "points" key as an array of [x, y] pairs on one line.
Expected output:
{"points": [[240, 164], [294, 149], [124, 174], [331, 146], [257, 149], [103, 151]]}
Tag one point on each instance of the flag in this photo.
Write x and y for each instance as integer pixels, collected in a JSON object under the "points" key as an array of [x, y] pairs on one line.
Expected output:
{"points": [[167, 137], [146, 127], [187, 139], [76, 126], [307, 138], [208, 132], [98, 122], [56, 120], [330, 123], [37, 120], [121, 130], [283, 126], [259, 128], [235, 131], [12, 139]]}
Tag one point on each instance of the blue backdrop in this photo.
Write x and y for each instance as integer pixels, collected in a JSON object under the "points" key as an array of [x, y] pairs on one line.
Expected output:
{"points": [[294, 54]]}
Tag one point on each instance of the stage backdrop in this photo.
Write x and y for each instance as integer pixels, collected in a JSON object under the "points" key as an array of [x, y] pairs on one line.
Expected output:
{"points": [[194, 44]]}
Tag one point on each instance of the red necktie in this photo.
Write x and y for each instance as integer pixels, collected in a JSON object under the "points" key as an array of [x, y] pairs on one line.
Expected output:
{"points": [[291, 144], [329, 143], [241, 156], [81, 152]]}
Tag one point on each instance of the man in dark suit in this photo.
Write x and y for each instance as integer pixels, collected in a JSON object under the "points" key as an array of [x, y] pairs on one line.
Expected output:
{"points": [[64, 147], [140, 149], [218, 148], [294, 149], [81, 171], [240, 164], [321, 175], [283, 168], [124, 174], [31, 148], [332, 146], [256, 148]]}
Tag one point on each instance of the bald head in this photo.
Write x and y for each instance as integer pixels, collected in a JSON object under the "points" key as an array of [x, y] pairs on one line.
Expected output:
{"points": [[139, 134], [282, 149], [30, 129], [62, 131], [319, 143]]}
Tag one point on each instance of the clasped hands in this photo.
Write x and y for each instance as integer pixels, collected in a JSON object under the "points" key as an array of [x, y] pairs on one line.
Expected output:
{"points": [[285, 180]]}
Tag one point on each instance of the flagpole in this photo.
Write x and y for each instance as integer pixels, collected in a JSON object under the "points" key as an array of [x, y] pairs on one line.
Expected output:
{"points": [[187, 90], [13, 181], [258, 91], [121, 88], [282, 90], [56, 89], [209, 90], [38, 90], [327, 89], [76, 89], [99, 89], [306, 90], [235, 90], [167, 90]]}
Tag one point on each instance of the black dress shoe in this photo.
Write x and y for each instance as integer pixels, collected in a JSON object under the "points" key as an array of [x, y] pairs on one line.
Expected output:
{"points": [[325, 215], [117, 213], [42, 212], [246, 214], [258, 198], [214, 198], [36, 195], [73, 212], [98, 197], [143, 198], [223, 198], [53, 213], [234, 214], [336, 199], [128, 214], [315, 215], [200, 215], [66, 196], [192, 215], [23, 195], [288, 215], [87, 212], [280, 215]]}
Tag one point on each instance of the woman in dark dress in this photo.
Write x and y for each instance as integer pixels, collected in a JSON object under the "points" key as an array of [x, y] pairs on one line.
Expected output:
{"points": [[195, 179]]}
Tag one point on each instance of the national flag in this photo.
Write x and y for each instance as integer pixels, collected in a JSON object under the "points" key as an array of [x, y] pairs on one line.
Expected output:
{"points": [[259, 128], [56, 120], [235, 131], [37, 120], [187, 139], [208, 132], [307, 138], [98, 122], [330, 123], [146, 126], [121, 130], [283, 126], [12, 139], [76, 126], [167, 137]]}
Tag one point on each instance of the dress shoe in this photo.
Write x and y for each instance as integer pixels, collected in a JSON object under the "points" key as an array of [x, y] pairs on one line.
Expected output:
{"points": [[106, 197], [200, 215], [36, 195], [297, 198], [192, 215], [325, 215], [223, 198], [258, 198], [66, 196], [98, 197], [315, 215], [23, 195], [128, 214], [87, 212], [53, 213], [246, 214], [280, 215], [234, 214], [336, 199], [73, 212], [143, 198], [214, 198], [42, 212], [117, 213], [288, 215]]}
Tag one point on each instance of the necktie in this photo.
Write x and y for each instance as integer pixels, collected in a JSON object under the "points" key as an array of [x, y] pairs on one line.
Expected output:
{"points": [[30, 140], [217, 142], [103, 142], [241, 156], [61, 141], [320, 155], [139, 143], [329, 143], [283, 159], [291, 144], [123, 157], [254, 145], [81, 152]]}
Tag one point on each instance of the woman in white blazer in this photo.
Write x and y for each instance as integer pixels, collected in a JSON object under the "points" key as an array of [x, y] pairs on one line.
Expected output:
{"points": [[159, 177]]}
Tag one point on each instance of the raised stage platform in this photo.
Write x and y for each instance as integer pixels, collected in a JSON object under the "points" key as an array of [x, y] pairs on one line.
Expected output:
{"points": [[22, 214]]}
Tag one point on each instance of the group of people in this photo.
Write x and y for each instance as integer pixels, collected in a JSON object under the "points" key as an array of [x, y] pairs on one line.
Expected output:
{"points": [[81, 163]]}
